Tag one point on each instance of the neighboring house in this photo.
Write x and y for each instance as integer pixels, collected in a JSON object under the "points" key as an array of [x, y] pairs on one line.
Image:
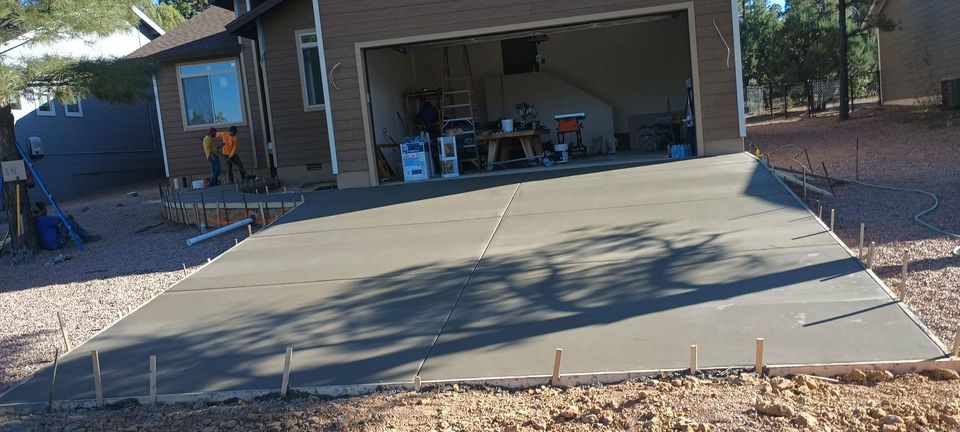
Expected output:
{"points": [[90, 144], [922, 51], [312, 109]]}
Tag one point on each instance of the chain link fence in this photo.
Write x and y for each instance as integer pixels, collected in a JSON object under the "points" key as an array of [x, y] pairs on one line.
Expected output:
{"points": [[810, 97]]}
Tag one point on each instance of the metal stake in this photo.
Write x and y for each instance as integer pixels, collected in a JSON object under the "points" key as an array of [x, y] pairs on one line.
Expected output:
{"points": [[833, 216]]}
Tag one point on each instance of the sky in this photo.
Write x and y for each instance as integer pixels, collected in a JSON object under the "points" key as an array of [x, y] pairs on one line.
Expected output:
{"points": [[779, 2]]}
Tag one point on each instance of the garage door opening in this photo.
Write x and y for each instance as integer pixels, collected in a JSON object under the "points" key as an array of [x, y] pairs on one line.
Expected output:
{"points": [[602, 92]]}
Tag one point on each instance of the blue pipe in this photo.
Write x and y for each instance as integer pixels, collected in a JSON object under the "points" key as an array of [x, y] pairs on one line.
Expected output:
{"points": [[36, 177]]}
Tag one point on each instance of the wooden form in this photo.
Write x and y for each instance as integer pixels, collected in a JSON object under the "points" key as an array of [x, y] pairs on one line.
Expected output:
{"points": [[97, 382], [557, 356], [285, 382], [63, 332]]}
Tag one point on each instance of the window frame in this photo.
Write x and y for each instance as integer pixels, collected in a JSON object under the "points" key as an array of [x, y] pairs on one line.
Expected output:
{"points": [[66, 110], [51, 102], [183, 104], [303, 79]]}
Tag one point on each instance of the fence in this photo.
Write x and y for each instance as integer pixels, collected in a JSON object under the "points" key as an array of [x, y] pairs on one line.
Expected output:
{"points": [[811, 96]]}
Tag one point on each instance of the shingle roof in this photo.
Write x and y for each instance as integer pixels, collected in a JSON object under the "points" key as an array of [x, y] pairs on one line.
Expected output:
{"points": [[201, 36]]}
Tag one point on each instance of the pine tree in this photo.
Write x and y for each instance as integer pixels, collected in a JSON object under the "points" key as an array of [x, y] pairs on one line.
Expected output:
{"points": [[65, 78]]}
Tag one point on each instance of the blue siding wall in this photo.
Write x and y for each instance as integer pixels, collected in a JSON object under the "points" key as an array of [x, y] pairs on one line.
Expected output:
{"points": [[110, 145]]}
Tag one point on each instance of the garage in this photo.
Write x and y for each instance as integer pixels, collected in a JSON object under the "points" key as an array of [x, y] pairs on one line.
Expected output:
{"points": [[583, 93]]}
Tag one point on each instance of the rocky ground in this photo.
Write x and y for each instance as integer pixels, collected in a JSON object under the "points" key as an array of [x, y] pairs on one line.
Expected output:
{"points": [[905, 147], [876, 401], [138, 255]]}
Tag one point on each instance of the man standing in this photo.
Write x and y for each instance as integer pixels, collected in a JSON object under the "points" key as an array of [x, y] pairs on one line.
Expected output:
{"points": [[210, 149], [230, 152]]}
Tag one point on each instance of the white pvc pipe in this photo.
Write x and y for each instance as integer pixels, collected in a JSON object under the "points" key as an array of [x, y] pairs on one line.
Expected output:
{"points": [[218, 231]]}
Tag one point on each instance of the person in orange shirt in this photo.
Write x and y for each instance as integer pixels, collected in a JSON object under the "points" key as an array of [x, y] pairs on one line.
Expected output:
{"points": [[230, 152]]}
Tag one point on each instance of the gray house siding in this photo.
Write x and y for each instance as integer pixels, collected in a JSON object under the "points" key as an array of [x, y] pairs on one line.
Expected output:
{"points": [[110, 145]]}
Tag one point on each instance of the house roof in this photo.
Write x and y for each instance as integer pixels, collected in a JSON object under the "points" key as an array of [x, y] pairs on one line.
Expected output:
{"points": [[200, 36], [244, 25], [876, 7]]}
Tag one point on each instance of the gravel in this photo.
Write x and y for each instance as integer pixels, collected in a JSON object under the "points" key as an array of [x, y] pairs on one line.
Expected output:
{"points": [[742, 402], [96, 286], [904, 147]]}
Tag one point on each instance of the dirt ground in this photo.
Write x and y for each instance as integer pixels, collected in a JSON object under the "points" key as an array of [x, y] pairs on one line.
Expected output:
{"points": [[742, 402], [903, 147], [138, 255]]}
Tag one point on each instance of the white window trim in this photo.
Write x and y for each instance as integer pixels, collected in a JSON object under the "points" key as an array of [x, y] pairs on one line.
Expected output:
{"points": [[67, 112], [183, 107], [300, 65], [51, 102]]}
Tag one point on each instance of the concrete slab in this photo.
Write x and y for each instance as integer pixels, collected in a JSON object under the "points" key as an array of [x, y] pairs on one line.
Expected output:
{"points": [[343, 332], [622, 266]]}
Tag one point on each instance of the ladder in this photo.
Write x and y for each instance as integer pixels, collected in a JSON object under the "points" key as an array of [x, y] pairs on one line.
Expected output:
{"points": [[456, 104]]}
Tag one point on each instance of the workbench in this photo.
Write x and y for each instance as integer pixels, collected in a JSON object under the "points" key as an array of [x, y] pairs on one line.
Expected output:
{"points": [[529, 140]]}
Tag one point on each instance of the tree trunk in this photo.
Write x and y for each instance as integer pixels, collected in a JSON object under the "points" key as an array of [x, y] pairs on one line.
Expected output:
{"points": [[844, 67], [26, 244]]}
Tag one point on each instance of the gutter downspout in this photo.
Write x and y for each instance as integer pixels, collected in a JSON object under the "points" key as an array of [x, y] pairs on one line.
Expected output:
{"points": [[326, 89], [738, 62], [163, 140]]}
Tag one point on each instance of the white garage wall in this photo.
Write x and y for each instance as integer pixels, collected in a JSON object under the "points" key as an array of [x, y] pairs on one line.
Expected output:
{"points": [[635, 68]]}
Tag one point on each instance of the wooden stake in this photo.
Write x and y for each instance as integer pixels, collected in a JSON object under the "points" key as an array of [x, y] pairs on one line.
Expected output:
{"points": [[19, 217], [870, 255], [286, 372], [53, 379], [860, 250], [236, 241], [820, 211], [97, 383], [153, 379], [833, 218], [417, 383], [557, 356], [956, 345], [249, 230], [263, 216], [903, 275], [63, 332], [693, 359], [758, 364], [184, 269], [804, 183], [302, 199]]}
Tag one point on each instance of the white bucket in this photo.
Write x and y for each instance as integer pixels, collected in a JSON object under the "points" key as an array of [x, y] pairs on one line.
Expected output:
{"points": [[198, 184], [561, 149], [506, 125]]}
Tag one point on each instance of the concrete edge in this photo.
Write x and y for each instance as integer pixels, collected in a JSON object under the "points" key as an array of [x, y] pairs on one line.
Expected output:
{"points": [[893, 297], [898, 367]]}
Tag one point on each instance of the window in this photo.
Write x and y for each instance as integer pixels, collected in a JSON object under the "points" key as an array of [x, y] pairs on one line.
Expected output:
{"points": [[47, 108], [73, 110], [210, 94], [311, 76]]}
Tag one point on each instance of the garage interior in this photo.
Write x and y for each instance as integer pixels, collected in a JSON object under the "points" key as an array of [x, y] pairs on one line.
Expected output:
{"points": [[590, 93]]}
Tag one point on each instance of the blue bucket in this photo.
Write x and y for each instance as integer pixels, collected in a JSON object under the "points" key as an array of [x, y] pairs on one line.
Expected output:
{"points": [[47, 231]]}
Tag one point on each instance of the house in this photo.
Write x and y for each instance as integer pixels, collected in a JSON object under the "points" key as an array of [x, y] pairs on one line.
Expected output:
{"points": [[921, 52], [644, 73], [92, 143]]}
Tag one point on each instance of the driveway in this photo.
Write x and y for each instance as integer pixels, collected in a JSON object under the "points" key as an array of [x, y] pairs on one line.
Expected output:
{"points": [[623, 267]]}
